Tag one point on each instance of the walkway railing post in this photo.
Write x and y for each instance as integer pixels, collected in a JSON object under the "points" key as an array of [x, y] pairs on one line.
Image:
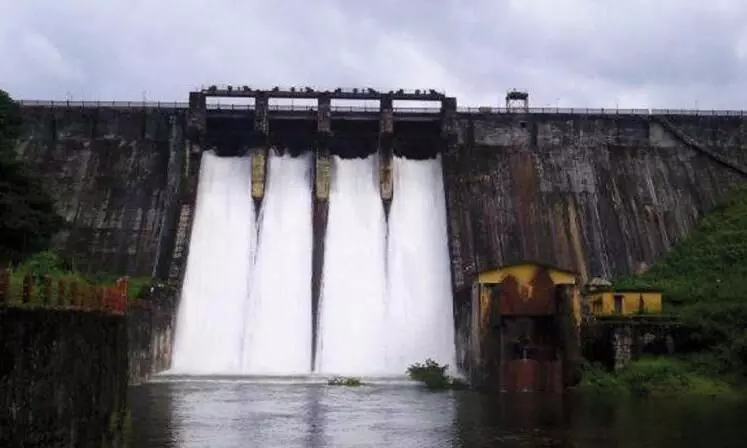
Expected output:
{"points": [[4, 286], [61, 300], [28, 283]]}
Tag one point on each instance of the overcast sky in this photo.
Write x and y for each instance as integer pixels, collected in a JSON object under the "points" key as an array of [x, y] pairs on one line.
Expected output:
{"points": [[595, 53]]}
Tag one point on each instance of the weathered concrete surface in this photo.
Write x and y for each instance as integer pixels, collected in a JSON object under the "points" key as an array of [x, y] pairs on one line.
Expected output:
{"points": [[114, 174], [597, 195], [63, 377], [150, 328]]}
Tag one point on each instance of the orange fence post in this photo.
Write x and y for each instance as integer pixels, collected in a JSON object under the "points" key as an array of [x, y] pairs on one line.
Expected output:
{"points": [[74, 293], [61, 299], [28, 283], [4, 286], [123, 287], [46, 289], [99, 298], [89, 296]]}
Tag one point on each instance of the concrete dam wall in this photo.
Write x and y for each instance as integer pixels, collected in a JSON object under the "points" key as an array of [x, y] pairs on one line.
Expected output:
{"points": [[599, 194], [114, 174], [595, 194]]}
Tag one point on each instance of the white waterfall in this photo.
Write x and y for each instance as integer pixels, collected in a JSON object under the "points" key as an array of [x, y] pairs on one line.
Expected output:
{"points": [[210, 324]]}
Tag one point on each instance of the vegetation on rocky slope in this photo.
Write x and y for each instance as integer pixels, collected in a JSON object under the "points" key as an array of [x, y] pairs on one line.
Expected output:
{"points": [[28, 218], [704, 282]]}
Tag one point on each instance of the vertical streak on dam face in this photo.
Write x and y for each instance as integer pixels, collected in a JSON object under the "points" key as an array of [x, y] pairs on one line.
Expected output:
{"points": [[278, 327], [353, 292], [211, 314], [420, 321]]}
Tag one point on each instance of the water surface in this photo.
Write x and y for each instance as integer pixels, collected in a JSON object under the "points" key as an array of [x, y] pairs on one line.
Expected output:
{"points": [[296, 412]]}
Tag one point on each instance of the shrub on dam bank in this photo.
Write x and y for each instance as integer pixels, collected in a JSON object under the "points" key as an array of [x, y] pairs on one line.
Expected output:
{"points": [[51, 265], [704, 282]]}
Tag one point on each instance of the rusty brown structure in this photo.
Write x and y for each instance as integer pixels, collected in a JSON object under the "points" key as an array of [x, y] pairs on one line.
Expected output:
{"points": [[525, 328]]}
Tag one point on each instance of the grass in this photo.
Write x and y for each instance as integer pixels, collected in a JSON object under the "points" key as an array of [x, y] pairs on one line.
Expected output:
{"points": [[653, 377], [704, 282]]}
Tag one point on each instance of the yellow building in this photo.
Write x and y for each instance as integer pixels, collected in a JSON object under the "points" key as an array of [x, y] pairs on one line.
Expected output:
{"points": [[532, 279], [606, 303]]}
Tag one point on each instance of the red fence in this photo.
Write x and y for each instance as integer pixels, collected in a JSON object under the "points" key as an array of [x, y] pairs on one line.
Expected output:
{"points": [[63, 293]]}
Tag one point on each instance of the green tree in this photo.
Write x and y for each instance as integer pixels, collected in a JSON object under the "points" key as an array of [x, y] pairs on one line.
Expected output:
{"points": [[28, 218]]}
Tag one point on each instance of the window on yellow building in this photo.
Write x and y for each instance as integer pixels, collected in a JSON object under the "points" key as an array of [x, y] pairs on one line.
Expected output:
{"points": [[618, 303]]}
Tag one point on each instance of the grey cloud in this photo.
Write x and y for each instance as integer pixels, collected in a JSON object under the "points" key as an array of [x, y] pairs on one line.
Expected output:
{"points": [[633, 53]]}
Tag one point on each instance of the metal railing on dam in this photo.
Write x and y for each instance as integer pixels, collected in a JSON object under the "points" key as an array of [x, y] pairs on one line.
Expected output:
{"points": [[371, 109]]}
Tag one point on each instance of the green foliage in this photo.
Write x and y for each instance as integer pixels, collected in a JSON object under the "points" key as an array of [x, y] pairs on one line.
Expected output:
{"points": [[652, 376], [51, 264], [345, 381], [704, 281], [28, 218], [434, 376]]}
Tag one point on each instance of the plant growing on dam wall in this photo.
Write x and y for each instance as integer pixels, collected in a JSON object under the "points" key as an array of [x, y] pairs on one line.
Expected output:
{"points": [[28, 218], [434, 376], [704, 282]]}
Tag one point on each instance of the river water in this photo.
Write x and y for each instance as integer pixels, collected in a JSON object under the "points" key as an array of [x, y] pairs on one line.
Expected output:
{"points": [[235, 412]]}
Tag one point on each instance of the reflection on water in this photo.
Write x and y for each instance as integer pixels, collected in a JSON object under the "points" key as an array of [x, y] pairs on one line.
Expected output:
{"points": [[235, 413]]}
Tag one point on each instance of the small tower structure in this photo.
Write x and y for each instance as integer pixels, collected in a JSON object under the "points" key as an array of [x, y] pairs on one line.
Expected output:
{"points": [[517, 101]]}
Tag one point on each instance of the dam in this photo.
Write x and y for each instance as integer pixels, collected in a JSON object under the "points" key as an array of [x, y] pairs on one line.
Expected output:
{"points": [[390, 212]]}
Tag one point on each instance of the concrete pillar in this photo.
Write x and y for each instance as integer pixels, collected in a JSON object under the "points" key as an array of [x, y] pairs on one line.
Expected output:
{"points": [[322, 180], [386, 147], [196, 121], [259, 151], [324, 133], [261, 117], [622, 342], [448, 119]]}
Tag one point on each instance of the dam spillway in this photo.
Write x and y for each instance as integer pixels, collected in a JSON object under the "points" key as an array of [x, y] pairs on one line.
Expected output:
{"points": [[246, 301], [212, 315]]}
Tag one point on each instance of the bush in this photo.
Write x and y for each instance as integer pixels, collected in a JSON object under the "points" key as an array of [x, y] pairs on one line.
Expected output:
{"points": [[434, 376], [344, 381], [651, 376]]}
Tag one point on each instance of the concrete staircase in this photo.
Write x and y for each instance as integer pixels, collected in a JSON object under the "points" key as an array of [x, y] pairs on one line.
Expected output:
{"points": [[184, 227]]}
